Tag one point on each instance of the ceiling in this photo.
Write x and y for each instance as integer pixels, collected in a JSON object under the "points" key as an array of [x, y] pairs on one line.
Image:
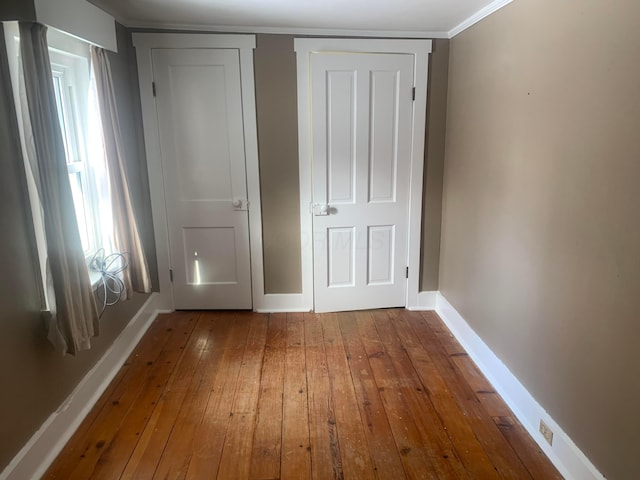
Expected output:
{"points": [[410, 18]]}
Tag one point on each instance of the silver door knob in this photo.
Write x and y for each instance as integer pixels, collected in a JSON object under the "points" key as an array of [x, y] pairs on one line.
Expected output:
{"points": [[237, 203]]}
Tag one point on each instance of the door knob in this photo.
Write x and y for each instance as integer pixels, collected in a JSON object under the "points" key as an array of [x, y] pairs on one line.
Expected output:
{"points": [[320, 209], [237, 204]]}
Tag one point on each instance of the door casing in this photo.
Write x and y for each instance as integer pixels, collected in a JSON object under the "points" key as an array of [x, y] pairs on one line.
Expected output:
{"points": [[420, 49], [245, 44]]}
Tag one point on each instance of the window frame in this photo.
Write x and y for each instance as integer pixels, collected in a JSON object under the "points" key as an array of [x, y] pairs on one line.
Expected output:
{"points": [[72, 69]]}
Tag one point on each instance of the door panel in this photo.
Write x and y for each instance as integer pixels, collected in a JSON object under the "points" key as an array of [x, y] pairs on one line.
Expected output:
{"points": [[383, 161], [202, 146], [341, 160], [204, 265], [381, 247], [361, 139], [341, 256]]}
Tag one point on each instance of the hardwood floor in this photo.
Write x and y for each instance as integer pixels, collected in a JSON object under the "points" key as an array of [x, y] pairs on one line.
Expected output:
{"points": [[385, 394]]}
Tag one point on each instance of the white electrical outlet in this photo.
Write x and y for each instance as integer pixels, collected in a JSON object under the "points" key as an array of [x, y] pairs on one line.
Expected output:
{"points": [[546, 432]]}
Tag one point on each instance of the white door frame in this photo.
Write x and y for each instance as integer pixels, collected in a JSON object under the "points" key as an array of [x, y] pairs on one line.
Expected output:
{"points": [[245, 44], [420, 49]]}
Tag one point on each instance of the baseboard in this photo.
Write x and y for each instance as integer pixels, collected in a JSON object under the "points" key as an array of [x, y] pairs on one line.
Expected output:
{"points": [[283, 302], [564, 454], [36, 456], [424, 301]]}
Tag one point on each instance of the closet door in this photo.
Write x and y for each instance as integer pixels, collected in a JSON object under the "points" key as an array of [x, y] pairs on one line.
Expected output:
{"points": [[362, 110], [200, 126]]}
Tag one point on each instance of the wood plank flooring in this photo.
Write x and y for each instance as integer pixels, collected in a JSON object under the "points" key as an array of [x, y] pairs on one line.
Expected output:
{"points": [[384, 394]]}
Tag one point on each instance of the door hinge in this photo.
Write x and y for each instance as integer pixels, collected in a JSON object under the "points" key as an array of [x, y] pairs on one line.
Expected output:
{"points": [[406, 273], [171, 275], [413, 94], [153, 88]]}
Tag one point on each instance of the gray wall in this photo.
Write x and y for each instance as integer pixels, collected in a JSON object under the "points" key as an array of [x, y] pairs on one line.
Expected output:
{"points": [[541, 226], [23, 10], [34, 380]]}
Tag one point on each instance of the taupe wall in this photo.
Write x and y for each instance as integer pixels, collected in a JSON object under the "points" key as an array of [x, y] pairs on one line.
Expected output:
{"points": [[276, 109], [34, 380], [124, 72], [434, 165], [23, 10], [541, 224], [276, 100]]}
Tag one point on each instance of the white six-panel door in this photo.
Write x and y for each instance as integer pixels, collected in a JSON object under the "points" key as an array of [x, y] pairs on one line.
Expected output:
{"points": [[361, 118], [199, 110]]}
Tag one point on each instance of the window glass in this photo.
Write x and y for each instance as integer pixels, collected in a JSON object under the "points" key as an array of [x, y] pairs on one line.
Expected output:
{"points": [[79, 118]]}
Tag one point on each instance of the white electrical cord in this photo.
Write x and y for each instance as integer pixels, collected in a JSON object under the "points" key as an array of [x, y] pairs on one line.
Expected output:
{"points": [[109, 267]]}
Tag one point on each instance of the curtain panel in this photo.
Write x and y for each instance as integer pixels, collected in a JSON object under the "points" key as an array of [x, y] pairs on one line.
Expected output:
{"points": [[126, 232], [13, 157], [74, 318]]}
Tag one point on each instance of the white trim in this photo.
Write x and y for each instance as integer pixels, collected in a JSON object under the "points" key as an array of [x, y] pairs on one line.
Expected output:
{"points": [[42, 448], [147, 41], [80, 19], [282, 302], [425, 301], [420, 49], [144, 43], [304, 174], [154, 169], [288, 30], [305, 46], [564, 454], [253, 174], [476, 17]]}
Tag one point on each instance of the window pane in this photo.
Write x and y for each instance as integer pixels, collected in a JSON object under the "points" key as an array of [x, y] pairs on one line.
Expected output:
{"points": [[79, 119], [57, 88], [75, 179]]}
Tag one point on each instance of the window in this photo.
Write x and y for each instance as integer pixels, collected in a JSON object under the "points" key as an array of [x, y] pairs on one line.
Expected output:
{"points": [[79, 119]]}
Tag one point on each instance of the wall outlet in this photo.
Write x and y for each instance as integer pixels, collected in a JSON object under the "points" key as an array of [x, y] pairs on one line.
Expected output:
{"points": [[546, 432]]}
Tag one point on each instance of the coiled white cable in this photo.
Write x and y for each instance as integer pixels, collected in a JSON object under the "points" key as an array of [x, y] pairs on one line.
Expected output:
{"points": [[110, 267]]}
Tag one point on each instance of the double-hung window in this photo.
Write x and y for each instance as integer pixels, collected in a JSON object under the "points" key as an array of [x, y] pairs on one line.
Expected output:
{"points": [[67, 83], [79, 120]]}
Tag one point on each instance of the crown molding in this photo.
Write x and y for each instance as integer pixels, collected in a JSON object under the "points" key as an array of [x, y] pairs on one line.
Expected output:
{"points": [[285, 30], [479, 15], [338, 32]]}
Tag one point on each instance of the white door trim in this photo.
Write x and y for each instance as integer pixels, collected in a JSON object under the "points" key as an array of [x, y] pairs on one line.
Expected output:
{"points": [[144, 43], [420, 49]]}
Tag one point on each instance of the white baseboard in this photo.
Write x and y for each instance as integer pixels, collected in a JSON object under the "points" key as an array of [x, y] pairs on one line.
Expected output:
{"points": [[564, 454], [36, 456], [425, 301], [283, 302]]}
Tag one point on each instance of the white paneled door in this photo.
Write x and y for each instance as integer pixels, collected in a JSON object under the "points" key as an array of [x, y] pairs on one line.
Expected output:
{"points": [[199, 108], [362, 111]]}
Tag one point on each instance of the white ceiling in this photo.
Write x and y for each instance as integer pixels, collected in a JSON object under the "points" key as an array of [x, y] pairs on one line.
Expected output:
{"points": [[434, 18]]}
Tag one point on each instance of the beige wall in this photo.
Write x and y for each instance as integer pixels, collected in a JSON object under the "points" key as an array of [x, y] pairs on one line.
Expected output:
{"points": [[541, 229], [277, 114], [34, 379], [276, 103], [434, 165]]}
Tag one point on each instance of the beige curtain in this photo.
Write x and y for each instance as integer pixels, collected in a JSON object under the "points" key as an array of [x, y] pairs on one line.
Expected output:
{"points": [[75, 319], [126, 234]]}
